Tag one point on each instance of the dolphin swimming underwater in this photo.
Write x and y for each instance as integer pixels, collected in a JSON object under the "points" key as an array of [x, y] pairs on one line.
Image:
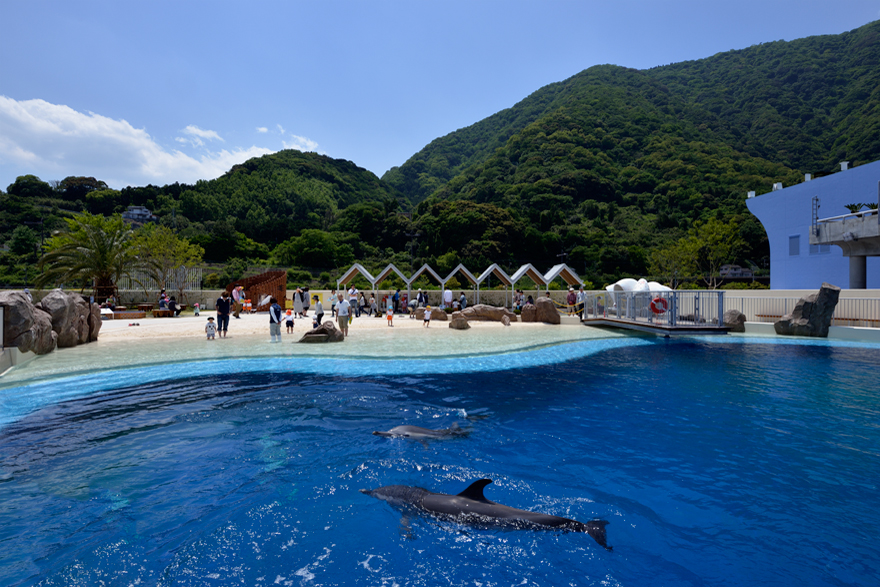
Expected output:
{"points": [[471, 507], [419, 433]]}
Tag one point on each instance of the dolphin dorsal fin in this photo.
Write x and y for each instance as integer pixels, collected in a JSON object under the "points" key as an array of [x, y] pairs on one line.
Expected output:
{"points": [[475, 490]]}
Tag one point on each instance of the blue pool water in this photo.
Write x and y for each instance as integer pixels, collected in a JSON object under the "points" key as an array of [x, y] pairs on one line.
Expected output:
{"points": [[715, 464]]}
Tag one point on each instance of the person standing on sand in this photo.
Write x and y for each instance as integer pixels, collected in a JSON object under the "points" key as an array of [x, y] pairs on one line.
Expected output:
{"points": [[319, 309], [343, 310], [333, 303], [237, 299], [223, 305], [353, 300], [298, 303], [427, 316], [210, 328], [396, 300], [275, 315], [571, 300], [447, 298]]}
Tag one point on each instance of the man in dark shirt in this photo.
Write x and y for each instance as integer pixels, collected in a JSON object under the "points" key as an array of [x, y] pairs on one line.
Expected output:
{"points": [[224, 306]]}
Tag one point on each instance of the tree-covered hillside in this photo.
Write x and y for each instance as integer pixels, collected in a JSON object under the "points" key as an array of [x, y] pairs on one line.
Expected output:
{"points": [[806, 104]]}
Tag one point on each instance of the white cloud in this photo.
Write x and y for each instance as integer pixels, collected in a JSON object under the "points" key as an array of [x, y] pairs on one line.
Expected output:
{"points": [[300, 144], [55, 141], [262, 129], [280, 128], [196, 135], [203, 134]]}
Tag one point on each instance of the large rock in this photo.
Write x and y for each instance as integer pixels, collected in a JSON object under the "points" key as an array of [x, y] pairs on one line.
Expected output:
{"points": [[69, 313], [83, 315], [735, 320], [529, 313], [486, 312], [811, 315], [24, 326], [436, 314], [95, 321], [325, 332], [458, 322], [546, 311]]}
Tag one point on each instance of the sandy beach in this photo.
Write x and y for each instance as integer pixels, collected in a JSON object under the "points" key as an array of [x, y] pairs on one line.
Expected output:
{"points": [[258, 325]]}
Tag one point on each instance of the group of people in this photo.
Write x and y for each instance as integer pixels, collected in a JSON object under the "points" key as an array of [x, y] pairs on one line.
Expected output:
{"points": [[169, 303], [344, 306], [227, 306], [575, 301], [520, 299]]}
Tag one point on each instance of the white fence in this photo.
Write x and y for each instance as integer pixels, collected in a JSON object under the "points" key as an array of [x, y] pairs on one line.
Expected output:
{"points": [[189, 277], [863, 312]]}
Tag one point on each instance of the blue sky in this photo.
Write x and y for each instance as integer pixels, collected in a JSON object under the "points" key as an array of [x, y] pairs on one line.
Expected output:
{"points": [[162, 91]]}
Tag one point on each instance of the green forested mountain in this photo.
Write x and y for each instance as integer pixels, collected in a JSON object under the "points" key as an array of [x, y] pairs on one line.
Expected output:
{"points": [[613, 163], [806, 104], [602, 170]]}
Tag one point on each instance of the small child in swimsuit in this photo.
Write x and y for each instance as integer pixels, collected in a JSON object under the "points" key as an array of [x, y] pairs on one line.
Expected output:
{"points": [[428, 317], [289, 323], [389, 313]]}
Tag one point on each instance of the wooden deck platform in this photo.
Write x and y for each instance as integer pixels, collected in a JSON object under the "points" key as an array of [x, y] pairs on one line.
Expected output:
{"points": [[656, 328]]}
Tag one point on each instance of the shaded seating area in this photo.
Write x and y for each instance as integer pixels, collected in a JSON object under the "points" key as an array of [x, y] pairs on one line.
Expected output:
{"points": [[542, 280]]}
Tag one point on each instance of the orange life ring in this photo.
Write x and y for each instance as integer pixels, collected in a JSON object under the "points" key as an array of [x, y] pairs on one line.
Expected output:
{"points": [[659, 305]]}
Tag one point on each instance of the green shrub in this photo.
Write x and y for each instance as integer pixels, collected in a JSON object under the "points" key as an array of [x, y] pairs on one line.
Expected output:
{"points": [[298, 277], [211, 281]]}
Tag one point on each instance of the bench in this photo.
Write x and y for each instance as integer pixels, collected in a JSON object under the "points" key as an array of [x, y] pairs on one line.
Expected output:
{"points": [[129, 315], [162, 314]]}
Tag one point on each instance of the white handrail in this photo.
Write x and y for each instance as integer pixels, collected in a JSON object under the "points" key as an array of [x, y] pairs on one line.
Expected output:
{"points": [[850, 215]]}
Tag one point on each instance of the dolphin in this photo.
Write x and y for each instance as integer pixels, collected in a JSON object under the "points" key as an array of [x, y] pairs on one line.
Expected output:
{"points": [[419, 433], [471, 507]]}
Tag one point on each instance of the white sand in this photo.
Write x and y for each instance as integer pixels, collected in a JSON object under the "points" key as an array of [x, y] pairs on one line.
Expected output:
{"points": [[257, 325]]}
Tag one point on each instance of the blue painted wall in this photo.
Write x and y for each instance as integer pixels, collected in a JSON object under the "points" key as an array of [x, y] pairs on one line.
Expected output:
{"points": [[788, 213]]}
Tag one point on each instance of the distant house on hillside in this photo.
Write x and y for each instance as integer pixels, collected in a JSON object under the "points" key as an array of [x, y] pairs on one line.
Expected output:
{"points": [[138, 215], [815, 238], [735, 271]]}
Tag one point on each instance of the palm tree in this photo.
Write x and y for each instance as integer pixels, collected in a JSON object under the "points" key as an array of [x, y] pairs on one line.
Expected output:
{"points": [[94, 251]]}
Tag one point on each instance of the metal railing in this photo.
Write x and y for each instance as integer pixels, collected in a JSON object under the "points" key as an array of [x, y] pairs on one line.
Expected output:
{"points": [[190, 277], [665, 308]]}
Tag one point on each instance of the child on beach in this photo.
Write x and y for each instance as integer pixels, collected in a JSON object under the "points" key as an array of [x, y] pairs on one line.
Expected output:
{"points": [[289, 322], [210, 328], [389, 313], [428, 317]]}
